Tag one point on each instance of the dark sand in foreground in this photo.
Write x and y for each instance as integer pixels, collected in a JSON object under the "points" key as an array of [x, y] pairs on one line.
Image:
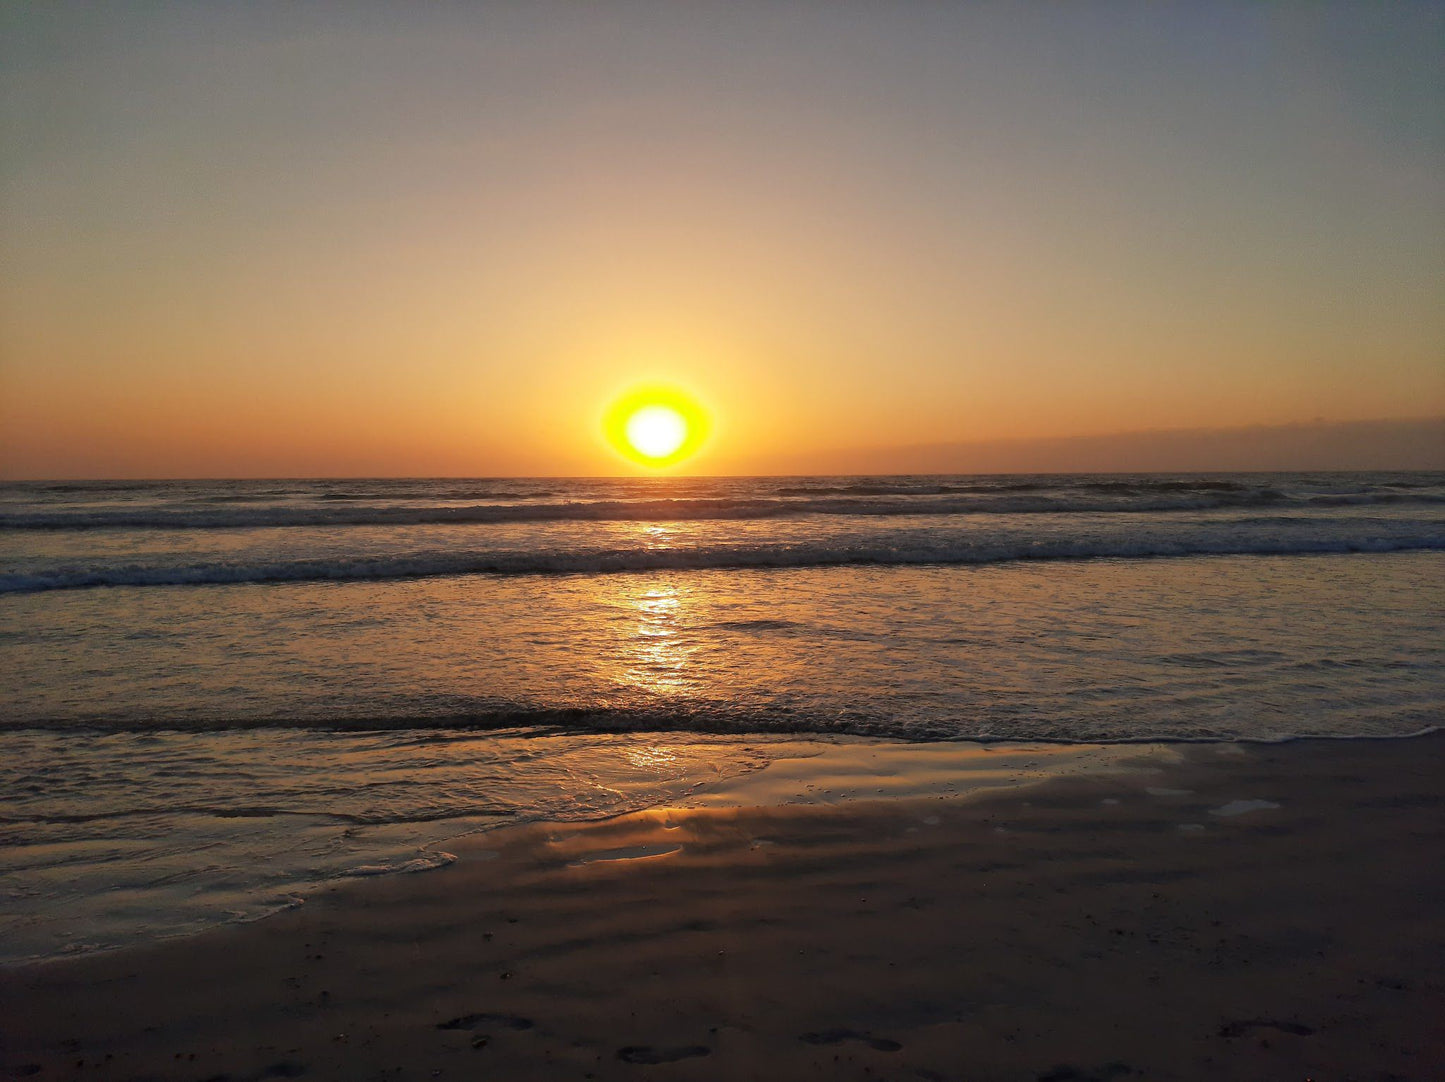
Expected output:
{"points": [[1045, 933]]}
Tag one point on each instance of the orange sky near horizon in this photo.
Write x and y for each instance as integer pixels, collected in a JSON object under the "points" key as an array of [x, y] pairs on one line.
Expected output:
{"points": [[274, 242]]}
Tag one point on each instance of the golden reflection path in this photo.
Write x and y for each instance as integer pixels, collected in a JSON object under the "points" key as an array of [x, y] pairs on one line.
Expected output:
{"points": [[658, 652]]}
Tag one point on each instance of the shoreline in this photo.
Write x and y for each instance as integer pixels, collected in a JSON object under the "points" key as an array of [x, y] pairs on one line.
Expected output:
{"points": [[1269, 911], [805, 769], [640, 771]]}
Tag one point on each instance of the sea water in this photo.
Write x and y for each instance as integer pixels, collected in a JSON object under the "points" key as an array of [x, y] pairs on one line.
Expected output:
{"points": [[216, 695]]}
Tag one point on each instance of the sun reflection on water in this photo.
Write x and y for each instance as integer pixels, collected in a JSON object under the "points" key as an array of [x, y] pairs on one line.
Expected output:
{"points": [[657, 654], [657, 536], [658, 758]]}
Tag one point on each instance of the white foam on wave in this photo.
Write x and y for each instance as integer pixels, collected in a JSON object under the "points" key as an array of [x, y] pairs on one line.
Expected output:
{"points": [[427, 863]]}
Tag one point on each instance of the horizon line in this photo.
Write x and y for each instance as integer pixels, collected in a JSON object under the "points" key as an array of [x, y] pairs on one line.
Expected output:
{"points": [[1003, 443]]}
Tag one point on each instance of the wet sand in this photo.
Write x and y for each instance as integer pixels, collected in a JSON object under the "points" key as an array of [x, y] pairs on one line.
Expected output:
{"points": [[1271, 912]]}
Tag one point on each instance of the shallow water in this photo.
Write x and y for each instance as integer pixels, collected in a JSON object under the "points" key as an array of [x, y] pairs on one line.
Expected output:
{"points": [[285, 682], [1204, 648]]}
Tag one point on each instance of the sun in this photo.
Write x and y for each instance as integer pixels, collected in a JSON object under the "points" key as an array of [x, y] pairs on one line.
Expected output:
{"points": [[656, 431], [655, 426]]}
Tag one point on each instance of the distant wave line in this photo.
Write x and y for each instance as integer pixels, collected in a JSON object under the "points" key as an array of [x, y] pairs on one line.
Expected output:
{"points": [[449, 564], [678, 510]]}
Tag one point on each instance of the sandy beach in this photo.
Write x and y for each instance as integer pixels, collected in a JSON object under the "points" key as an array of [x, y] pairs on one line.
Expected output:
{"points": [[1260, 912]]}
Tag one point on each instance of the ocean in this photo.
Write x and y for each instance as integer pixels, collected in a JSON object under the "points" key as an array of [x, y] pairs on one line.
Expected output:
{"points": [[216, 695]]}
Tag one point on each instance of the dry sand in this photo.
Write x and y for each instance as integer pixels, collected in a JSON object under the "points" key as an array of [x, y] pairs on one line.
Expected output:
{"points": [[1097, 927]]}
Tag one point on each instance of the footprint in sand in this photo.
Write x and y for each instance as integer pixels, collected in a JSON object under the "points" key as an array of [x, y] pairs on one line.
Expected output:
{"points": [[1066, 1072], [472, 1021], [284, 1069], [838, 1036], [1242, 1026], [1242, 807], [644, 1053]]}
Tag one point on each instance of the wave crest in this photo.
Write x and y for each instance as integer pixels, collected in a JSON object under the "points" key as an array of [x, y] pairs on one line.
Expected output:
{"points": [[604, 561]]}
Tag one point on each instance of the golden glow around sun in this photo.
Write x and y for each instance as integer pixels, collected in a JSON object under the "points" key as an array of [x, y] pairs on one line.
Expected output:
{"points": [[655, 426]]}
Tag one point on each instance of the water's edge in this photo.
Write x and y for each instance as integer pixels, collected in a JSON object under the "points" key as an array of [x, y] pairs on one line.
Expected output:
{"points": [[806, 770]]}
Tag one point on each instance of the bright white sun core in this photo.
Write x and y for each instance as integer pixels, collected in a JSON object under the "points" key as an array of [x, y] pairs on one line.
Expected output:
{"points": [[656, 431]]}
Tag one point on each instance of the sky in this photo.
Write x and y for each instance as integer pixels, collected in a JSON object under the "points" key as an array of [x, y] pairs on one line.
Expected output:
{"points": [[388, 240]]}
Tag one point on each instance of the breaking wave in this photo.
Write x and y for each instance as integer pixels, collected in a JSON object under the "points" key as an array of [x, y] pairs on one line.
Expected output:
{"points": [[603, 561]]}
